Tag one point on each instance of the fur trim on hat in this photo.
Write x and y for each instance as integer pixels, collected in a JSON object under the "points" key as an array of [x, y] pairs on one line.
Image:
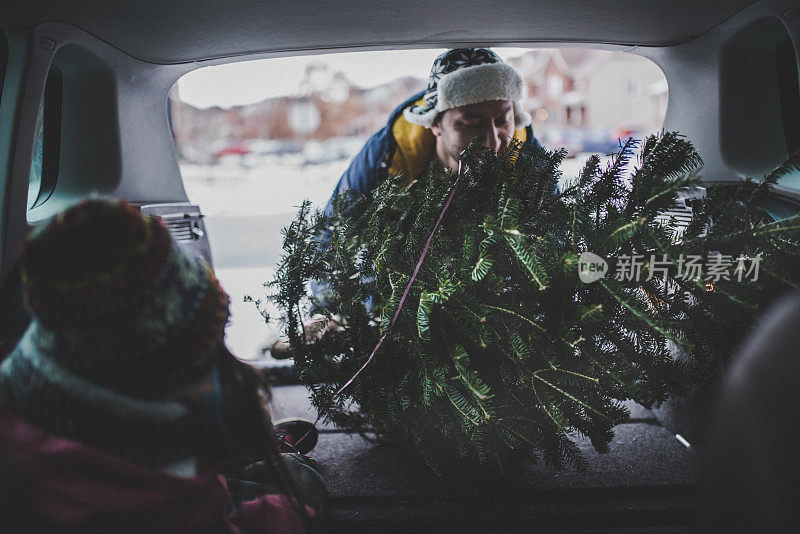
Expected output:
{"points": [[470, 85]]}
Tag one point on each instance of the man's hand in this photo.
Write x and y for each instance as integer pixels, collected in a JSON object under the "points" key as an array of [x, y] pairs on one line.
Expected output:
{"points": [[314, 329]]}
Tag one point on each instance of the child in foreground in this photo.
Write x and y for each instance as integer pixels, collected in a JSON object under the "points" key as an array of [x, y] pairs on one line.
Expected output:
{"points": [[121, 410]]}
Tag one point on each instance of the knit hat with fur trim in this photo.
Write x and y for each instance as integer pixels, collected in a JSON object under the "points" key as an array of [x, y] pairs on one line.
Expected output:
{"points": [[464, 76], [116, 302]]}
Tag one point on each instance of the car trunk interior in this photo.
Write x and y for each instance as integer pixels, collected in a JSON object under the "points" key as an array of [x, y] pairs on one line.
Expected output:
{"points": [[114, 69]]}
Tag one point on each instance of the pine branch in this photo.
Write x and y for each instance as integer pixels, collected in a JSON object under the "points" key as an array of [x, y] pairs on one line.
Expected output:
{"points": [[500, 352]]}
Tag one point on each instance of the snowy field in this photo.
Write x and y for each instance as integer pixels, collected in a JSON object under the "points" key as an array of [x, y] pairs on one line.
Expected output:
{"points": [[246, 202]]}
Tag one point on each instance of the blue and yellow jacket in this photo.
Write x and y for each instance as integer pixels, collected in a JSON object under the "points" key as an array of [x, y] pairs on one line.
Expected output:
{"points": [[400, 147]]}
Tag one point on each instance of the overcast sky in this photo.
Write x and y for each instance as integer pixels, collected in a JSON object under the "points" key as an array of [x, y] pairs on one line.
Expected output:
{"points": [[249, 82]]}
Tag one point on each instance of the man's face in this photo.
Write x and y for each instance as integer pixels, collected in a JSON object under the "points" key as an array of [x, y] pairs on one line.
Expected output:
{"points": [[492, 122]]}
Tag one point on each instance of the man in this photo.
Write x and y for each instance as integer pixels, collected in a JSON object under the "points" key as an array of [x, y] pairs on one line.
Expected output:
{"points": [[471, 93]]}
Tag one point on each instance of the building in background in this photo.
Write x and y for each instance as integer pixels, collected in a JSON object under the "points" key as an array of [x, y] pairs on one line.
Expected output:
{"points": [[579, 99], [586, 100]]}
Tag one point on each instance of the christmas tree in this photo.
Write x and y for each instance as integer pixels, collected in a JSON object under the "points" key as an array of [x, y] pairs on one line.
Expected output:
{"points": [[512, 339]]}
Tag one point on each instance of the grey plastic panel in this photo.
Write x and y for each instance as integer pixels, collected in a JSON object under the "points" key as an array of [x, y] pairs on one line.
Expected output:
{"points": [[188, 30], [116, 140], [185, 224], [697, 108]]}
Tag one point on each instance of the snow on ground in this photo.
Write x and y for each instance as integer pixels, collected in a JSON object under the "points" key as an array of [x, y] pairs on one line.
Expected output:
{"points": [[247, 331], [268, 185], [245, 209]]}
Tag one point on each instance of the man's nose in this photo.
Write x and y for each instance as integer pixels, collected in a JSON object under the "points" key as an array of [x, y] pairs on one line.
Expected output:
{"points": [[493, 138]]}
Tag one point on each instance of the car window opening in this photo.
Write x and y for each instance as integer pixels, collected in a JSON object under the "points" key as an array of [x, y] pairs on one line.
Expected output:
{"points": [[249, 163], [789, 88], [47, 142]]}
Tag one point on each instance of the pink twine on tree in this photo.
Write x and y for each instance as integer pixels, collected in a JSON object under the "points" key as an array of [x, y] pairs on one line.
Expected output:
{"points": [[410, 282], [405, 293]]}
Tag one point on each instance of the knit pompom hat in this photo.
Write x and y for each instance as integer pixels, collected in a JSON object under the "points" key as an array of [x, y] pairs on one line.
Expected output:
{"points": [[118, 303], [464, 76]]}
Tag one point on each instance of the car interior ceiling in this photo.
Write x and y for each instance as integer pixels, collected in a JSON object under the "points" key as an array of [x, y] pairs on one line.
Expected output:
{"points": [[232, 29], [111, 70]]}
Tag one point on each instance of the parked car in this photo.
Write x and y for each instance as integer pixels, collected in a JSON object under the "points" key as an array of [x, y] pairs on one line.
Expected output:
{"points": [[84, 111]]}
